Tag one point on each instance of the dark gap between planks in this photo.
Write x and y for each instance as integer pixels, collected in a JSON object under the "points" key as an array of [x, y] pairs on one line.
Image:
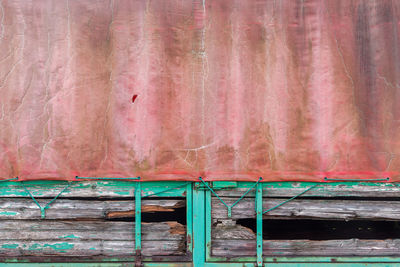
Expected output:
{"points": [[324, 229]]}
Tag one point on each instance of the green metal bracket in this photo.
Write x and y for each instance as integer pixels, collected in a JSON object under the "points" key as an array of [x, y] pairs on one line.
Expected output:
{"points": [[43, 209], [166, 190], [223, 202], [223, 185], [290, 199], [11, 179]]}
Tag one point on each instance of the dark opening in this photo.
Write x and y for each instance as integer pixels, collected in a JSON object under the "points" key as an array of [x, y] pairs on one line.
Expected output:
{"points": [[177, 214], [325, 229]]}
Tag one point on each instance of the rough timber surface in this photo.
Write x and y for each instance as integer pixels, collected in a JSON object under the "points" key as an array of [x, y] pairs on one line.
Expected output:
{"points": [[350, 247], [310, 209], [87, 238], [25, 208], [91, 189], [87, 230], [327, 201]]}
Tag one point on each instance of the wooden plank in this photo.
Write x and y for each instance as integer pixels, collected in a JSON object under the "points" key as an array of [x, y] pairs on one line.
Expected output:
{"points": [[344, 189], [232, 232], [88, 230], [69, 248], [350, 247], [104, 189], [25, 208], [311, 209]]}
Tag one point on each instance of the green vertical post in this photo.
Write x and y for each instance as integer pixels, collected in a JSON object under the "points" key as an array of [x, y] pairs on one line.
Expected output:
{"points": [[138, 218], [199, 255], [259, 214], [189, 217], [208, 220]]}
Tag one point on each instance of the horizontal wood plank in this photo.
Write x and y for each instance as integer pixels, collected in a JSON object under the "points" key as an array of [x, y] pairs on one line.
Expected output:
{"points": [[339, 189], [25, 208], [310, 209], [94, 189], [88, 230], [232, 232], [69, 248], [350, 247]]}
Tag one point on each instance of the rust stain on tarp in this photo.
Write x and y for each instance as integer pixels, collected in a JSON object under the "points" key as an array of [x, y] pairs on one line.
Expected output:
{"points": [[234, 90]]}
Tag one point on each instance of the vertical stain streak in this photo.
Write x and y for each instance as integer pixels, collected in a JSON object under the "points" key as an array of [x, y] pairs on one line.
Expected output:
{"points": [[2, 29]]}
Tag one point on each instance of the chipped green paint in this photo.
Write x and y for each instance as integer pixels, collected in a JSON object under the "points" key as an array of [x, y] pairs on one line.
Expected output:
{"points": [[8, 213], [117, 188], [10, 246], [69, 236], [60, 247]]}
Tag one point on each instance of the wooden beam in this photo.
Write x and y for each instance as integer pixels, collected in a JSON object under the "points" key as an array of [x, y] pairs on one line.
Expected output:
{"points": [[25, 208], [310, 209], [69, 248], [88, 230], [92, 189], [350, 247]]}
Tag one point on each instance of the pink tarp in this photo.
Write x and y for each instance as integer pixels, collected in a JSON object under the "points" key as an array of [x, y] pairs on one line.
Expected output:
{"points": [[223, 89]]}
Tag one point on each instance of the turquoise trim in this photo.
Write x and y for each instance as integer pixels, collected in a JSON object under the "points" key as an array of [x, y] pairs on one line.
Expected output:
{"points": [[259, 222], [138, 218], [199, 255], [189, 218], [166, 190]]}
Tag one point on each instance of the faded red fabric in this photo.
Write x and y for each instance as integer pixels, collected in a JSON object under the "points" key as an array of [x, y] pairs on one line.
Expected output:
{"points": [[226, 90]]}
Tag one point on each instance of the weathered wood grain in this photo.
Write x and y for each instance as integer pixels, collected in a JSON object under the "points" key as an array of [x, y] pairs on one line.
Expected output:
{"points": [[310, 209], [25, 208], [88, 230], [350, 247], [232, 232], [289, 189], [91, 189], [70, 248]]}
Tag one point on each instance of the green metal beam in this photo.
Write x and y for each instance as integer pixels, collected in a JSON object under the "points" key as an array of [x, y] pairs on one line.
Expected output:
{"points": [[199, 244], [138, 220], [189, 218], [259, 214]]}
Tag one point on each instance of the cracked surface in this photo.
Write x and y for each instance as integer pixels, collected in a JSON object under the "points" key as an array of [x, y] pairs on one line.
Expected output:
{"points": [[286, 90]]}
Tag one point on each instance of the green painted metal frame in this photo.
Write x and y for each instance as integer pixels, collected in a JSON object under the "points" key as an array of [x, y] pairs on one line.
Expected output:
{"points": [[11, 188], [260, 260], [259, 224], [198, 212]]}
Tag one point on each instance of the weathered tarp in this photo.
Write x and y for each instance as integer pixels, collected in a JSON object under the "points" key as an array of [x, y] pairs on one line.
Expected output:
{"points": [[223, 89]]}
